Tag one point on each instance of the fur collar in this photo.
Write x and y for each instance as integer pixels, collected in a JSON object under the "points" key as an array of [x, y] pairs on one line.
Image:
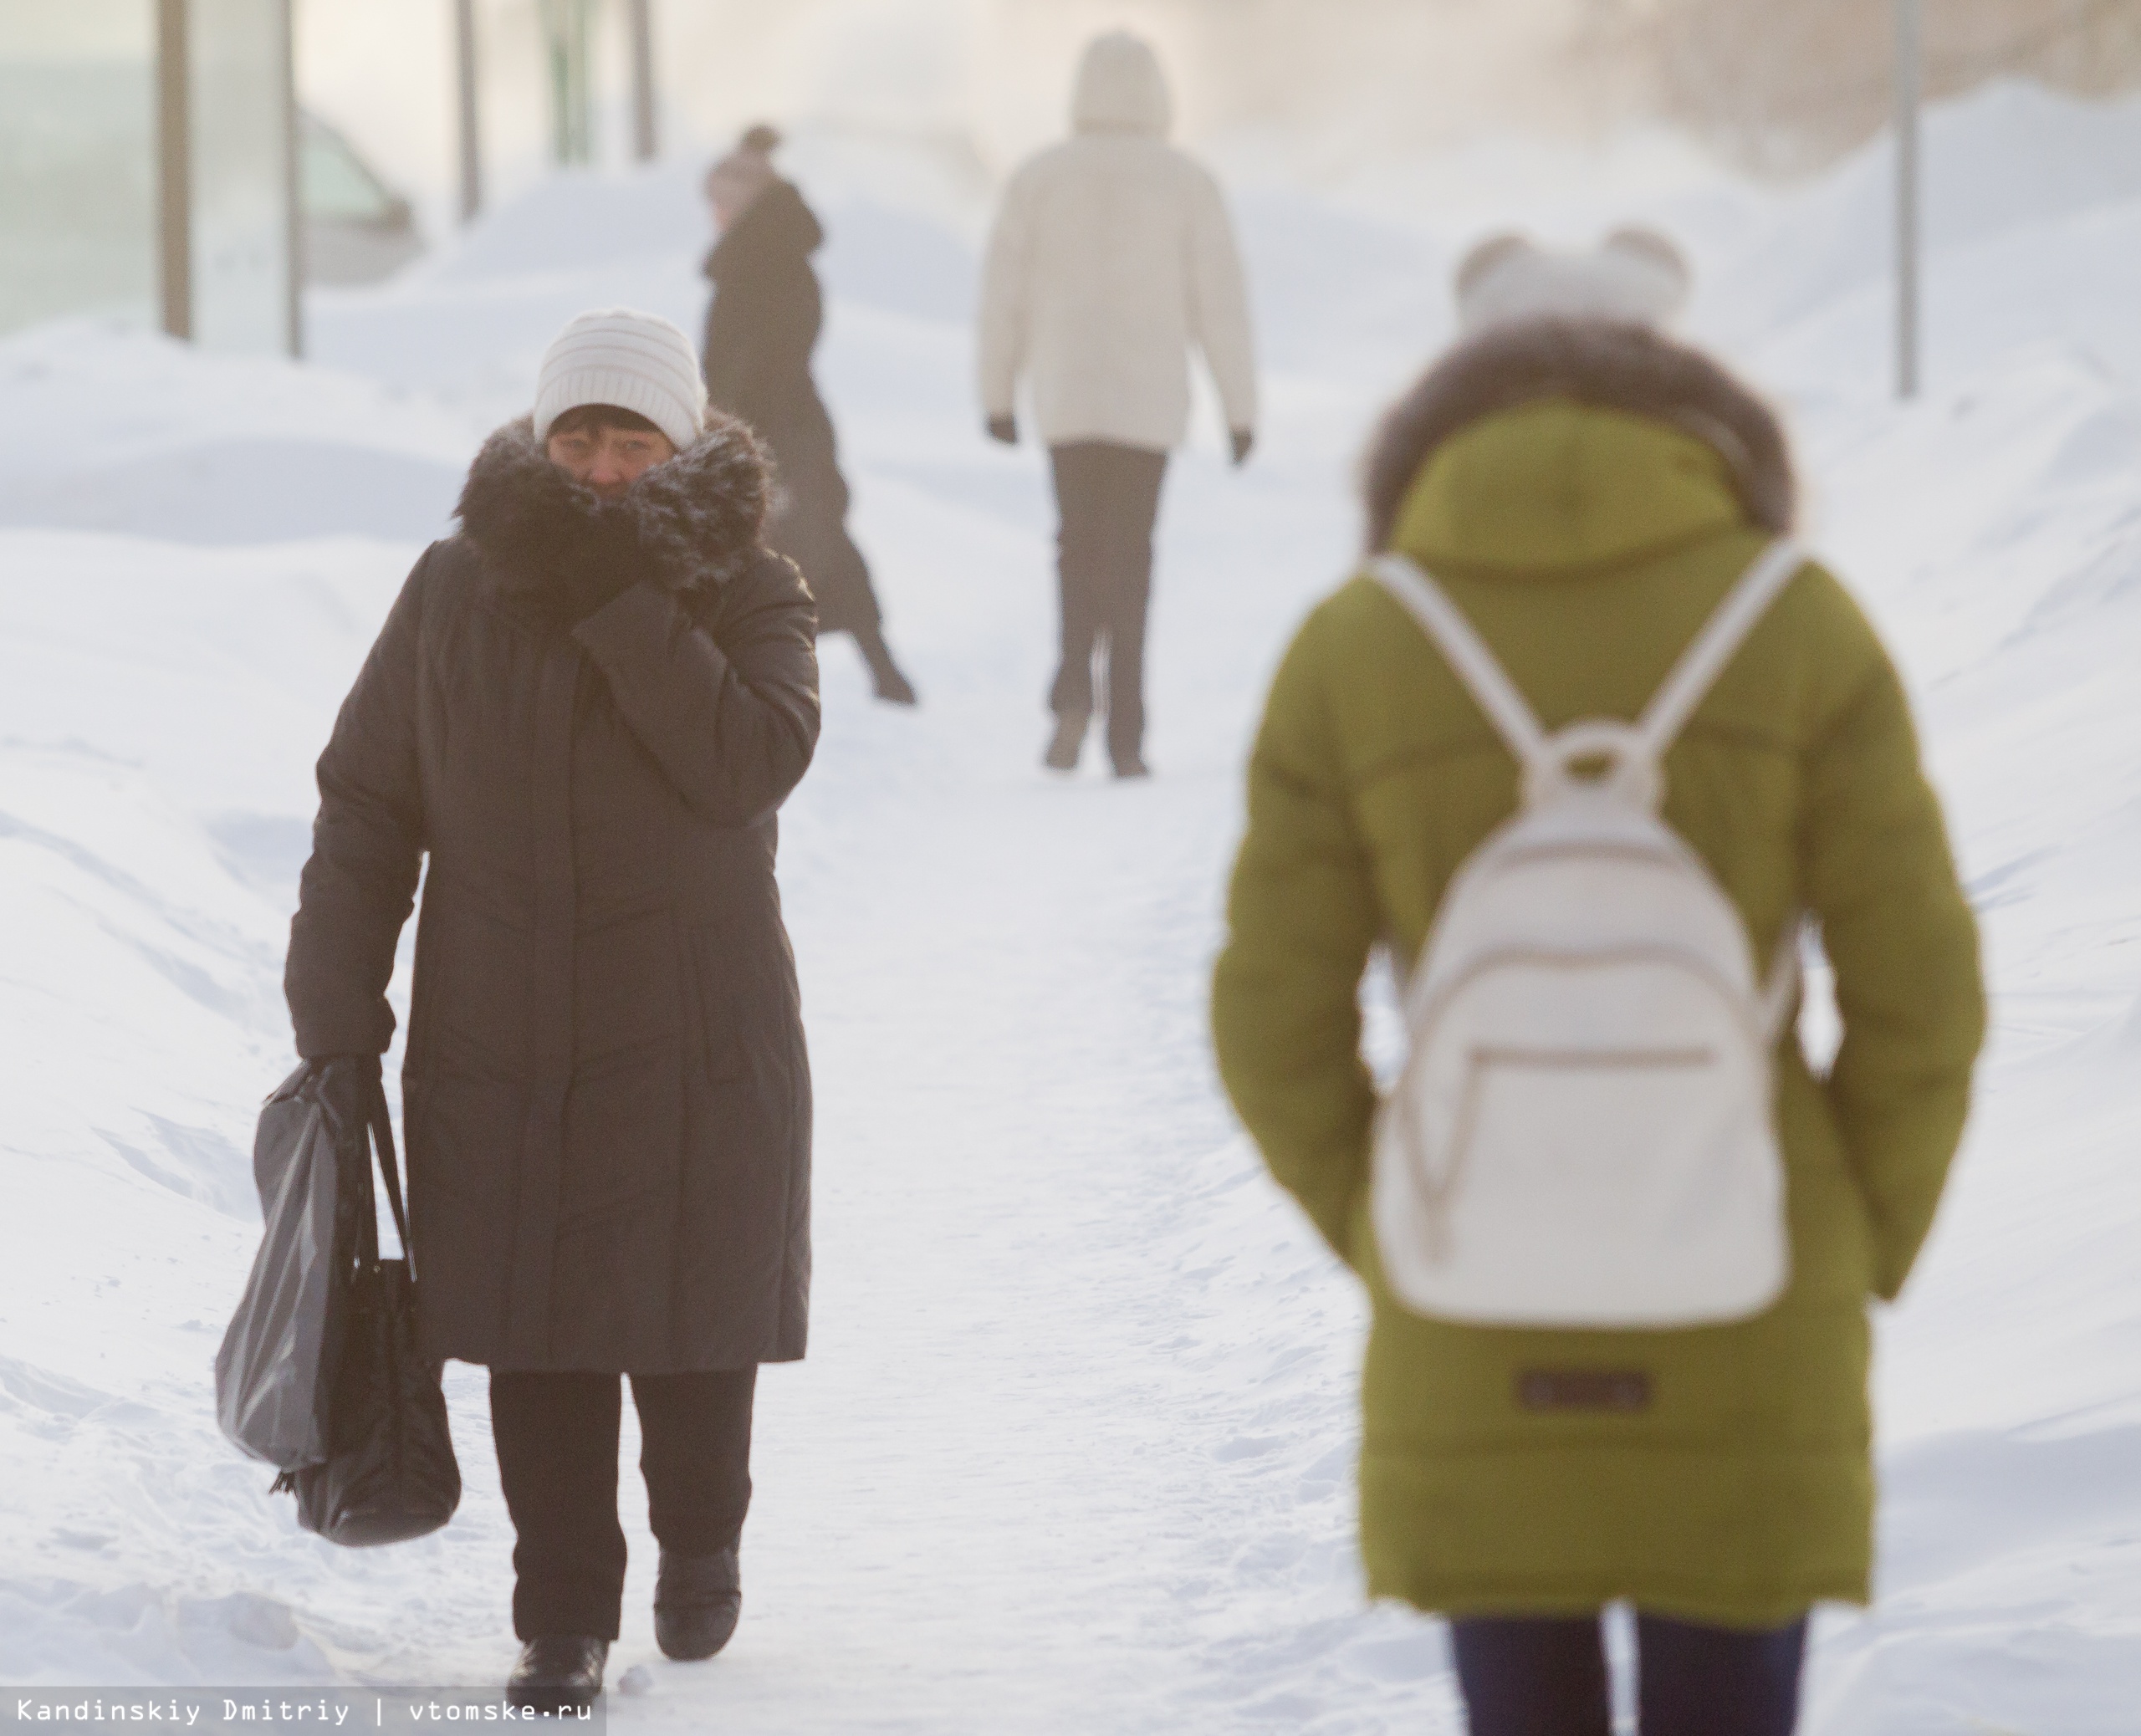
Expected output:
{"points": [[1629, 368], [694, 523]]}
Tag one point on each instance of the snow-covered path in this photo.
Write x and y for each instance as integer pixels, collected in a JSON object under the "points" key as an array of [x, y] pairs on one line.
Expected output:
{"points": [[1016, 1485], [1072, 1450]]}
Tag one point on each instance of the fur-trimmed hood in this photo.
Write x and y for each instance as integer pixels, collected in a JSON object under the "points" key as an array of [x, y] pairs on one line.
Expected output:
{"points": [[695, 522], [1627, 368]]}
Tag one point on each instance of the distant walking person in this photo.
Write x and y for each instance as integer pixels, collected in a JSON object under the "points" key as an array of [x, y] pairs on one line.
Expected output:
{"points": [[1112, 256], [575, 729], [1618, 1237], [760, 331]]}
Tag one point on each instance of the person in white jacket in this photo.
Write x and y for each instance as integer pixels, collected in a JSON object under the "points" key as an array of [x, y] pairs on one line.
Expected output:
{"points": [[1112, 256]]}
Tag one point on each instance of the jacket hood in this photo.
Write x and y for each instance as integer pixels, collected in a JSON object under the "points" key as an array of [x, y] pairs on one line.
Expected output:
{"points": [[1562, 444], [1120, 89], [695, 522], [777, 223]]}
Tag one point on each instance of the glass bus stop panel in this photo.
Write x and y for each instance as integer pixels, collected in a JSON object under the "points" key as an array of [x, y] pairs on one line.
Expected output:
{"points": [[78, 175], [238, 56]]}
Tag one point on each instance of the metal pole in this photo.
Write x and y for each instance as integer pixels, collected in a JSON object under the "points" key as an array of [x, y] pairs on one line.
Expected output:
{"points": [[1909, 90], [174, 170], [472, 141], [646, 141], [292, 187], [552, 13]]}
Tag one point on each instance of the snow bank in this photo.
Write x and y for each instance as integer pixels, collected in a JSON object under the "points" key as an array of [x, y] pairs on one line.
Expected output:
{"points": [[2011, 157], [1073, 1448], [118, 431]]}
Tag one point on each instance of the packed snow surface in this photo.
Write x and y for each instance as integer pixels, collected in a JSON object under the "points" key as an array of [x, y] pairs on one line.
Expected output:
{"points": [[1073, 1448]]}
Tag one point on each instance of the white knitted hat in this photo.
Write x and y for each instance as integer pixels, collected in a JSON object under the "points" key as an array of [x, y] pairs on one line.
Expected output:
{"points": [[1636, 276], [637, 361]]}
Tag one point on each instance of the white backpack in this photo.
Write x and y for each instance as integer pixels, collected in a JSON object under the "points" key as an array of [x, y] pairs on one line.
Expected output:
{"points": [[1583, 1135]]}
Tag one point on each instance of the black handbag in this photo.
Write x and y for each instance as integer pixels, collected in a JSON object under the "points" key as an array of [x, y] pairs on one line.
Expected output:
{"points": [[390, 1473]]}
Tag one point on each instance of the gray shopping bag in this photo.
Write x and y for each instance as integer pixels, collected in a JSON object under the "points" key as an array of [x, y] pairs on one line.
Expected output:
{"points": [[272, 1382]]}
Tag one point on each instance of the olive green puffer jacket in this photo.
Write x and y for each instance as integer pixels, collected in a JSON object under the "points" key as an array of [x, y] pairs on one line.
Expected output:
{"points": [[1588, 545]]}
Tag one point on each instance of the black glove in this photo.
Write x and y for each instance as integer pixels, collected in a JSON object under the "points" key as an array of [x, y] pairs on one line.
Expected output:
{"points": [[346, 1086], [1005, 428], [1244, 443], [592, 583]]}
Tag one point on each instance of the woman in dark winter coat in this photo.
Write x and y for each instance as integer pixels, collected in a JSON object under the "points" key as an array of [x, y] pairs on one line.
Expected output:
{"points": [[586, 710], [760, 331]]}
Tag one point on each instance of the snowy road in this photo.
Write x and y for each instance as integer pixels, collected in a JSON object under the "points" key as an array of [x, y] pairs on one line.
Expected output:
{"points": [[1072, 1450], [1015, 1486]]}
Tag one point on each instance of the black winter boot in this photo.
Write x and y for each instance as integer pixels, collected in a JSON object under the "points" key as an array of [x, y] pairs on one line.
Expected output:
{"points": [[696, 1601], [558, 1672], [1068, 741], [891, 686]]}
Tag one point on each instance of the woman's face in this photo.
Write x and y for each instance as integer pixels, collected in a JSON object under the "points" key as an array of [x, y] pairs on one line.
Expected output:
{"points": [[609, 459]]}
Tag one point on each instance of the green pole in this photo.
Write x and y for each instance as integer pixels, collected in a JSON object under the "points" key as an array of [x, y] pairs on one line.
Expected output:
{"points": [[569, 26]]}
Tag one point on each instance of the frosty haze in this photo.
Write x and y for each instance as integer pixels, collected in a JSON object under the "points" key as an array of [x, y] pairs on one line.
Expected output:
{"points": [[1073, 1448]]}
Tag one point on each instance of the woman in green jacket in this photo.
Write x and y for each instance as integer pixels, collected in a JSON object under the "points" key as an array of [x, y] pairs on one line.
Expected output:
{"points": [[1587, 493]]}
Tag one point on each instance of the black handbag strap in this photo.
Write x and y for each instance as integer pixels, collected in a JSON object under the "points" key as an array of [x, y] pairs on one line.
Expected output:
{"points": [[375, 1136], [382, 1138]]}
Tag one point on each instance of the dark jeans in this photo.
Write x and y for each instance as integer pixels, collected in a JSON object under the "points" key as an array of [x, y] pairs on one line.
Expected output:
{"points": [[557, 1442], [1107, 499], [1546, 1677]]}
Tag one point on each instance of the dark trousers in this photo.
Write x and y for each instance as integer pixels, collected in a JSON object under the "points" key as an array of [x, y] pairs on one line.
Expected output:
{"points": [[1107, 500], [1546, 1677], [557, 1441]]}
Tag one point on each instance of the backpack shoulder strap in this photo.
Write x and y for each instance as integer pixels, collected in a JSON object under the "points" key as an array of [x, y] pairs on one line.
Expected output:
{"points": [[1718, 643], [1466, 653]]}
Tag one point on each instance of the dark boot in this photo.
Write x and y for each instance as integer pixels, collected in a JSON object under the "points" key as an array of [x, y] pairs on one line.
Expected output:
{"points": [[696, 1601], [1133, 766], [558, 1672], [1068, 742], [892, 687]]}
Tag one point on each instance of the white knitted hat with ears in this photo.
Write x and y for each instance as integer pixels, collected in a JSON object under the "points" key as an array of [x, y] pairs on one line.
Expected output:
{"points": [[637, 361], [1635, 276]]}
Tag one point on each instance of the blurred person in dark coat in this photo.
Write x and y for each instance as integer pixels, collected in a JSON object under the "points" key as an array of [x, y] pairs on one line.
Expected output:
{"points": [[760, 330]]}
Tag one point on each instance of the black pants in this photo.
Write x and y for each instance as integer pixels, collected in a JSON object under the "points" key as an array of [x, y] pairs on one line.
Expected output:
{"points": [[557, 1442], [1107, 499], [1546, 1677]]}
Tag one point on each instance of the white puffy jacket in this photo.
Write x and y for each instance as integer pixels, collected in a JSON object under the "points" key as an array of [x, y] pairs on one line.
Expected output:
{"points": [[1112, 254]]}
